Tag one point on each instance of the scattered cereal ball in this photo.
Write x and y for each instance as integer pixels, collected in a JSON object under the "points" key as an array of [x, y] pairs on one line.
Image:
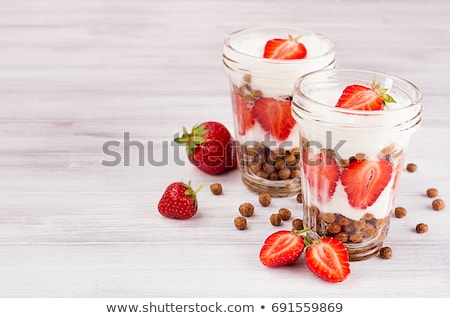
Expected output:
{"points": [[333, 229], [297, 224], [285, 214], [300, 198], [265, 199], [343, 237], [246, 209], [216, 188], [411, 167], [240, 222], [432, 192], [438, 204], [275, 219], [386, 252], [400, 212], [421, 228]]}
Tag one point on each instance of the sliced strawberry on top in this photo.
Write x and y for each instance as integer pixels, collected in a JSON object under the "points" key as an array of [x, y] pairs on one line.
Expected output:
{"points": [[358, 97], [364, 181], [244, 116], [285, 49], [274, 116], [322, 173], [281, 248], [328, 259]]}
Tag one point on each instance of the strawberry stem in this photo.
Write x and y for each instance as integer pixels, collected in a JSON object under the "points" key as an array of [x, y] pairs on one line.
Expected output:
{"points": [[192, 139], [189, 191], [304, 234], [382, 92], [296, 38]]}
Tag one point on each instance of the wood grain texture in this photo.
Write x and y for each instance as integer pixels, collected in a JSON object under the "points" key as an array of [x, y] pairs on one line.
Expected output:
{"points": [[76, 74]]}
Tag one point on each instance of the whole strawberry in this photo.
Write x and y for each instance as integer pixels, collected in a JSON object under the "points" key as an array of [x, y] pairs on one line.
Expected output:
{"points": [[210, 147], [179, 201]]}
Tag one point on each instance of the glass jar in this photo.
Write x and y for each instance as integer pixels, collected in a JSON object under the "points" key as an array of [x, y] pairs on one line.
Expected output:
{"points": [[352, 159], [261, 95]]}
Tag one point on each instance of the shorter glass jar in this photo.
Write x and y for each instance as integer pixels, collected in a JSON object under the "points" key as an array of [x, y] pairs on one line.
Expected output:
{"points": [[352, 159]]}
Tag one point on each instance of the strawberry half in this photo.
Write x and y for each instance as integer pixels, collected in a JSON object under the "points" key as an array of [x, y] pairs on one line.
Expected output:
{"points": [[281, 248], [274, 116], [322, 173], [179, 201], [364, 181], [358, 97], [243, 113], [285, 49], [328, 259]]}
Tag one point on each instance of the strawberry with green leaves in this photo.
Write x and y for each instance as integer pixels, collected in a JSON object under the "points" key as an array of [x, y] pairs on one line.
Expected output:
{"points": [[364, 180], [358, 97], [210, 147], [274, 116], [179, 201], [285, 49]]}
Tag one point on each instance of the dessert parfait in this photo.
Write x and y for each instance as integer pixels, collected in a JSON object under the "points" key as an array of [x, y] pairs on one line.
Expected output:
{"points": [[355, 127], [263, 64]]}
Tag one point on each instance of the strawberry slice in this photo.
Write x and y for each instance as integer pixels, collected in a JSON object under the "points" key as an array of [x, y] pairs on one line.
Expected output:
{"points": [[281, 248], [244, 116], [275, 116], [328, 259], [322, 173], [364, 181], [285, 49], [358, 97]]}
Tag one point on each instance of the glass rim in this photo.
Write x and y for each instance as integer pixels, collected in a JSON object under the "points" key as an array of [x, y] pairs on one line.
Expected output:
{"points": [[229, 37], [415, 100]]}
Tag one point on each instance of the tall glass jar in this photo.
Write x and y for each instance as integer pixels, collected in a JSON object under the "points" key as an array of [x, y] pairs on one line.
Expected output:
{"points": [[261, 94], [352, 159]]}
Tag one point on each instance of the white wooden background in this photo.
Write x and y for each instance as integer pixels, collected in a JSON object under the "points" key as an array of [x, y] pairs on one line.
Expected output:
{"points": [[75, 74]]}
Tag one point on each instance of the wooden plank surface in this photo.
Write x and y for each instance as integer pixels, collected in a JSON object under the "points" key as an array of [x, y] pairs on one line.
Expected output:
{"points": [[76, 74]]}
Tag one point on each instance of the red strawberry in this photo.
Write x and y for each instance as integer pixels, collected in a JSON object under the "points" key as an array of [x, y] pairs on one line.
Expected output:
{"points": [[285, 49], [281, 248], [328, 259], [358, 97], [364, 181], [275, 116], [210, 147], [322, 173], [244, 116], [178, 201]]}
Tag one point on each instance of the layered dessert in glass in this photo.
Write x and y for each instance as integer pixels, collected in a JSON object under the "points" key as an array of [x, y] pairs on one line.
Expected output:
{"points": [[263, 64], [354, 129]]}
